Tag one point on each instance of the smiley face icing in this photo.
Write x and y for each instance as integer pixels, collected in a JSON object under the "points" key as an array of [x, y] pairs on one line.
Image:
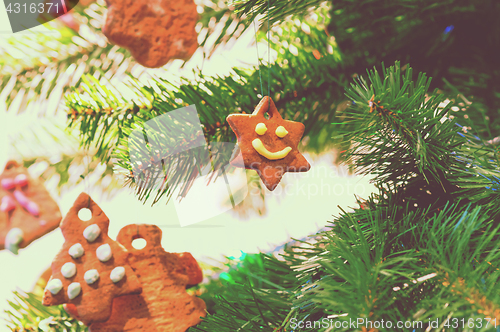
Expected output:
{"points": [[268, 146], [257, 144], [261, 149]]}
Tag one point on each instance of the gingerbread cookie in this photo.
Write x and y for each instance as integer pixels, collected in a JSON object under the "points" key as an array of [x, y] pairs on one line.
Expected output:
{"points": [[27, 212], [91, 269], [154, 31], [164, 305], [85, 3], [268, 146]]}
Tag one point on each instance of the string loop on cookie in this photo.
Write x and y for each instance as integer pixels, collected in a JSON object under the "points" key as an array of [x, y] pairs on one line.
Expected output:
{"points": [[267, 107]]}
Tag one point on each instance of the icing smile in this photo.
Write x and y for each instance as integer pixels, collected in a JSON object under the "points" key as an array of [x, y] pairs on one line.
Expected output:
{"points": [[261, 149]]}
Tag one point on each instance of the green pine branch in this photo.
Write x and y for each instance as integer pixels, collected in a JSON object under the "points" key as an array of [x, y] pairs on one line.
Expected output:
{"points": [[394, 260], [391, 263], [408, 137], [63, 56], [29, 314], [276, 10], [475, 172], [449, 40], [106, 118], [400, 129], [62, 60], [386, 262], [55, 155]]}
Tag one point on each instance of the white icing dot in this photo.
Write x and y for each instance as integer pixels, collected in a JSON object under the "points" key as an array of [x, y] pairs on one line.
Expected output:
{"points": [[104, 253], [91, 232], [76, 250], [117, 274], [68, 270], [13, 238], [54, 286], [91, 276], [73, 290]]}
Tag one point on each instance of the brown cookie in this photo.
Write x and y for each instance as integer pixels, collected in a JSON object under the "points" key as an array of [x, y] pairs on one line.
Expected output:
{"points": [[154, 31], [164, 305], [85, 3], [27, 212], [91, 269], [187, 265], [268, 146]]}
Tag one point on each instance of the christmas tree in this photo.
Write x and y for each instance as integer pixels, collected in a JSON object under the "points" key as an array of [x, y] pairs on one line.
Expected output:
{"points": [[419, 254]]}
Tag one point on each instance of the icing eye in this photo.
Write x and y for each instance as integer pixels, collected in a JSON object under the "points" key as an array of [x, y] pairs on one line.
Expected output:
{"points": [[260, 128], [281, 132]]}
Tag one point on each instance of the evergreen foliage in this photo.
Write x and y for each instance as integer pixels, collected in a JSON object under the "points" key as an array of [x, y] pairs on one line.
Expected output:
{"points": [[397, 260], [424, 248]]}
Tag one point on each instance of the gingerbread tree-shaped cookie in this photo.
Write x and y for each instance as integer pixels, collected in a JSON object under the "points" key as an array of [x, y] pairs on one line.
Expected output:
{"points": [[164, 305], [27, 212], [91, 269]]}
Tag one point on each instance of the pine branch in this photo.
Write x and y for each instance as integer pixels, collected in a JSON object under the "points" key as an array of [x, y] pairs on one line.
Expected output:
{"points": [[376, 261], [74, 169], [54, 154], [400, 133], [387, 262], [448, 40], [408, 139], [475, 172], [219, 26], [254, 297], [276, 10], [29, 314], [41, 80], [106, 118]]}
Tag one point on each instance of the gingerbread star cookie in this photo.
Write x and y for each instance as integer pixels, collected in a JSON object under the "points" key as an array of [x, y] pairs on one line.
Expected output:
{"points": [[27, 212], [164, 304], [268, 146], [153, 31], [91, 269]]}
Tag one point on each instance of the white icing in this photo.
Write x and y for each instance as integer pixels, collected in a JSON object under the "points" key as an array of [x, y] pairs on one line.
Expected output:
{"points": [[68, 270], [104, 253], [117, 274], [13, 238], [91, 276], [74, 290], [76, 250], [91, 232], [21, 180], [54, 286]]}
